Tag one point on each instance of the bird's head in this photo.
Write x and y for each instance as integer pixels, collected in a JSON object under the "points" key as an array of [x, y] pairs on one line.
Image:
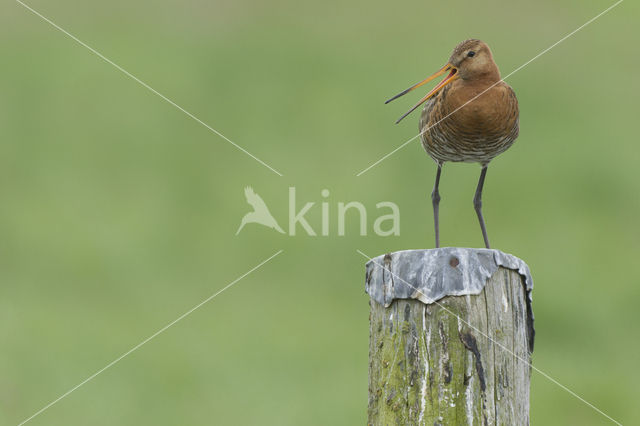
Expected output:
{"points": [[471, 60]]}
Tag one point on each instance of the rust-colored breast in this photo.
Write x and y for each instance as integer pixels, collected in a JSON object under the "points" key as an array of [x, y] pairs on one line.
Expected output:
{"points": [[476, 132]]}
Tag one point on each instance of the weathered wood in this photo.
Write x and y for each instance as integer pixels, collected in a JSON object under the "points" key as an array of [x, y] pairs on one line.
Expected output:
{"points": [[461, 360]]}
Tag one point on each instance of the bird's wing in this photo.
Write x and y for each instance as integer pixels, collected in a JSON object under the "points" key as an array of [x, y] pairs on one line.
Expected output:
{"points": [[254, 199]]}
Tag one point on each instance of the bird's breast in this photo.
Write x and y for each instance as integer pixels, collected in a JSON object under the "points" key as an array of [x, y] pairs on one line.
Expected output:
{"points": [[470, 122], [484, 111]]}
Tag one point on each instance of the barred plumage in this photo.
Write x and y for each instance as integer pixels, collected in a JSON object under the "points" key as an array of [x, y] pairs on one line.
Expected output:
{"points": [[474, 133]]}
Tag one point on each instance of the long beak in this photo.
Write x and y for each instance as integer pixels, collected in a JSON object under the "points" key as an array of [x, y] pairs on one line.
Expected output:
{"points": [[453, 75]]}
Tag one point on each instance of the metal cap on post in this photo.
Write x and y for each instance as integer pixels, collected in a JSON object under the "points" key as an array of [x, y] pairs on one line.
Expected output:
{"points": [[451, 336]]}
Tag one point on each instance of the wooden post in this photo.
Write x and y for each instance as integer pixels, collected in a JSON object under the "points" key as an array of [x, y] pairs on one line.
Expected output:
{"points": [[451, 336]]}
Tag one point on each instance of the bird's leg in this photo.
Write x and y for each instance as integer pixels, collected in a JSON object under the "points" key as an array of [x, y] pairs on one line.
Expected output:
{"points": [[477, 204], [435, 199]]}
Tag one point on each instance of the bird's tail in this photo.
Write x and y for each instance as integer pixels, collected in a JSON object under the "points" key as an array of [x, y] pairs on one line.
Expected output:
{"points": [[241, 226]]}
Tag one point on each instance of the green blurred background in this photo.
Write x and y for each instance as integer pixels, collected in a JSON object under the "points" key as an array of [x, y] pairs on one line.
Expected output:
{"points": [[118, 212]]}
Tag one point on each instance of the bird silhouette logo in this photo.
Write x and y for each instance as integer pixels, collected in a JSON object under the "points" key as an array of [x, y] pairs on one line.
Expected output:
{"points": [[260, 213]]}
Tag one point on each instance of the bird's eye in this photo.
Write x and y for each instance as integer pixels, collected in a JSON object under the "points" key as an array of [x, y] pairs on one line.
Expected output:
{"points": [[471, 54]]}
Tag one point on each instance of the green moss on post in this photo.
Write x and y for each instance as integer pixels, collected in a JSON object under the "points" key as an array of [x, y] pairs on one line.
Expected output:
{"points": [[432, 364]]}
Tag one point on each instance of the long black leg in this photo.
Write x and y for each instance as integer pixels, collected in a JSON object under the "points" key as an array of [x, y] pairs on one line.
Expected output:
{"points": [[477, 204], [435, 199]]}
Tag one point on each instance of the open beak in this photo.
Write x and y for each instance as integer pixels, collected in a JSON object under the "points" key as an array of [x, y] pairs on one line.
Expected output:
{"points": [[453, 75]]}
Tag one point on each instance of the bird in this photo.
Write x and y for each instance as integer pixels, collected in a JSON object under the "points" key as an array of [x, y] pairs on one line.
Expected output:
{"points": [[260, 213], [471, 116]]}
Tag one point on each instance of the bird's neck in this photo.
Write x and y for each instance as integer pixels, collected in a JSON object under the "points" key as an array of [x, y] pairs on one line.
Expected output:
{"points": [[464, 91], [480, 82], [490, 76], [486, 75]]}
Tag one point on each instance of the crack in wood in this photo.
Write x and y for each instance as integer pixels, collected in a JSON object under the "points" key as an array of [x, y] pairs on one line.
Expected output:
{"points": [[470, 343]]}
